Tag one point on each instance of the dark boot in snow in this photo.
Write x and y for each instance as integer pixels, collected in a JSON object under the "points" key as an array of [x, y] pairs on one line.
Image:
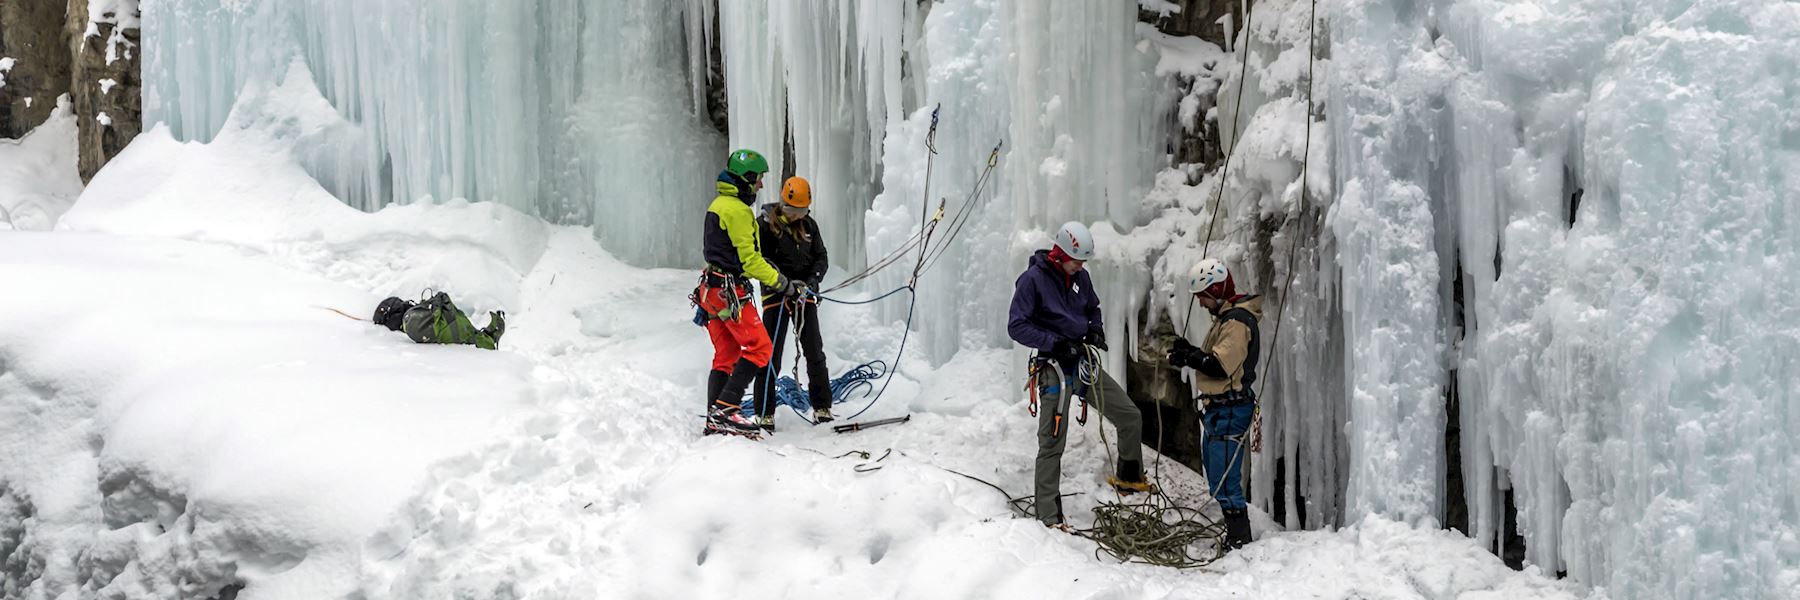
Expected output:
{"points": [[1237, 529], [496, 325], [715, 383], [1130, 478], [725, 414]]}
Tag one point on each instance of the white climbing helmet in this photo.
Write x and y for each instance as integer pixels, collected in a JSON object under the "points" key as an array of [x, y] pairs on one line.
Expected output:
{"points": [[1206, 274], [1076, 241]]}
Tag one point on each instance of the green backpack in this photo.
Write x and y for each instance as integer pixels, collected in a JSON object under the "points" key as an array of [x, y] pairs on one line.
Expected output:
{"points": [[438, 321]]}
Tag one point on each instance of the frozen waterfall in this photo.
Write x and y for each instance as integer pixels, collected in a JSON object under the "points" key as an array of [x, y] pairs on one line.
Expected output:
{"points": [[577, 111], [1612, 189], [1566, 229]]}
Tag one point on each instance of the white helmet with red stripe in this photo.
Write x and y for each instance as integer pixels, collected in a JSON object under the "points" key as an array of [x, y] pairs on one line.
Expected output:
{"points": [[1075, 241]]}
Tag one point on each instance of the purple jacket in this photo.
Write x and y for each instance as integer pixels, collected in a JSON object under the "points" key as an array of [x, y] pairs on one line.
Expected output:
{"points": [[1046, 310]]}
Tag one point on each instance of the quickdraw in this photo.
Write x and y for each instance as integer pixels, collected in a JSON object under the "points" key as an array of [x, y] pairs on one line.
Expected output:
{"points": [[1037, 365], [1064, 395], [1032, 388]]}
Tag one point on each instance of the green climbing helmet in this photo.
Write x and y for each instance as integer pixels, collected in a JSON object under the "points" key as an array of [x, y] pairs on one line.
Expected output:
{"points": [[744, 162]]}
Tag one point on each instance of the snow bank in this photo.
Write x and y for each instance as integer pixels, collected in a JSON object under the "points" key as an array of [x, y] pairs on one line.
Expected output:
{"points": [[248, 188], [185, 411], [182, 417], [38, 180]]}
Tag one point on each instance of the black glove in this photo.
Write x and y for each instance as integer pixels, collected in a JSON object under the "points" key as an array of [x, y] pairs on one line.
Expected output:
{"points": [[1066, 349], [799, 290], [1182, 354], [1199, 360], [1096, 338], [786, 287]]}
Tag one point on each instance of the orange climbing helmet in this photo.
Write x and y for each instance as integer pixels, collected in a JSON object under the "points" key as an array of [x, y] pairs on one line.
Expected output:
{"points": [[796, 192]]}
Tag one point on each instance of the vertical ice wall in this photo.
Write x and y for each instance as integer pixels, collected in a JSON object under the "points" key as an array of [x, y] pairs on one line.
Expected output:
{"points": [[1629, 363], [577, 111], [1386, 83], [1613, 185], [1087, 140], [961, 69], [829, 74], [1087, 153], [1277, 241], [623, 138]]}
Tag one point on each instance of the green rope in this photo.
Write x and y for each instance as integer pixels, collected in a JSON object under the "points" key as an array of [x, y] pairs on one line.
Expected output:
{"points": [[1157, 530]]}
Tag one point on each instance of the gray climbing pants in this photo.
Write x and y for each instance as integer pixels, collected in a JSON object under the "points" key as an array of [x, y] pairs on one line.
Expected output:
{"points": [[1112, 403]]}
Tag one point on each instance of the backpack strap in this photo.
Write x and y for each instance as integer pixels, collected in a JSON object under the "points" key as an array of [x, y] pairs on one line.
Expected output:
{"points": [[1254, 356]]}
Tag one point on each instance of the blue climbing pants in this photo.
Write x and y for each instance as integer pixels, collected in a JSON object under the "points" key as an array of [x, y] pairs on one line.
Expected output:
{"points": [[1227, 430]]}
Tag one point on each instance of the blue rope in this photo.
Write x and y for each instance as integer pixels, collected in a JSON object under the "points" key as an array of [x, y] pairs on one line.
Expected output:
{"points": [[788, 392], [905, 333]]}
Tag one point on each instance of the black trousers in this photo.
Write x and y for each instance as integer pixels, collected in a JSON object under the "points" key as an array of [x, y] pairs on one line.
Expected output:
{"points": [[779, 318]]}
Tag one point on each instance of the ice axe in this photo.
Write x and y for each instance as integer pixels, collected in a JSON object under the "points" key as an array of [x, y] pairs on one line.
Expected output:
{"points": [[849, 427]]}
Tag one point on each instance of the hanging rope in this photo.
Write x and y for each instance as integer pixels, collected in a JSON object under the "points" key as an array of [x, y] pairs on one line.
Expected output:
{"points": [[1237, 113], [927, 256], [1158, 530], [1293, 244], [1294, 240], [962, 214]]}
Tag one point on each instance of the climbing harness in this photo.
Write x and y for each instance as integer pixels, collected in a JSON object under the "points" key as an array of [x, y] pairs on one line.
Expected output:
{"points": [[1041, 365], [733, 291]]}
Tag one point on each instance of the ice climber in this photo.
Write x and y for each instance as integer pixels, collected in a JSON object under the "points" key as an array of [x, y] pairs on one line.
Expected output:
{"points": [[438, 321], [733, 258], [791, 242], [1056, 311], [1225, 364]]}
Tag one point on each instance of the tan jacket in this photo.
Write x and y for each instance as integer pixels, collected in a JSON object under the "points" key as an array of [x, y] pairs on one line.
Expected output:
{"points": [[1229, 341]]}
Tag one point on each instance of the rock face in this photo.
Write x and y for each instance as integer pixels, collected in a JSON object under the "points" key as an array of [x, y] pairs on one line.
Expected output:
{"points": [[1201, 19], [1171, 420], [33, 37], [104, 82], [49, 48]]}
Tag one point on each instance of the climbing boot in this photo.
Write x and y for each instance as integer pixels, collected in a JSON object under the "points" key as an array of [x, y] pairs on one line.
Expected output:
{"points": [[1237, 528], [496, 325], [729, 420], [766, 423], [1130, 478], [822, 415]]}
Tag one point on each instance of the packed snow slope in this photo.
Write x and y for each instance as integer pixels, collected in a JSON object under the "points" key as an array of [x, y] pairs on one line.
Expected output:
{"points": [[184, 415]]}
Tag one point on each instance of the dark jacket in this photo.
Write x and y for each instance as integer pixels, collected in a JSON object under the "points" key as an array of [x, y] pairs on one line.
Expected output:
{"points": [[794, 247], [729, 241], [1048, 307]]}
